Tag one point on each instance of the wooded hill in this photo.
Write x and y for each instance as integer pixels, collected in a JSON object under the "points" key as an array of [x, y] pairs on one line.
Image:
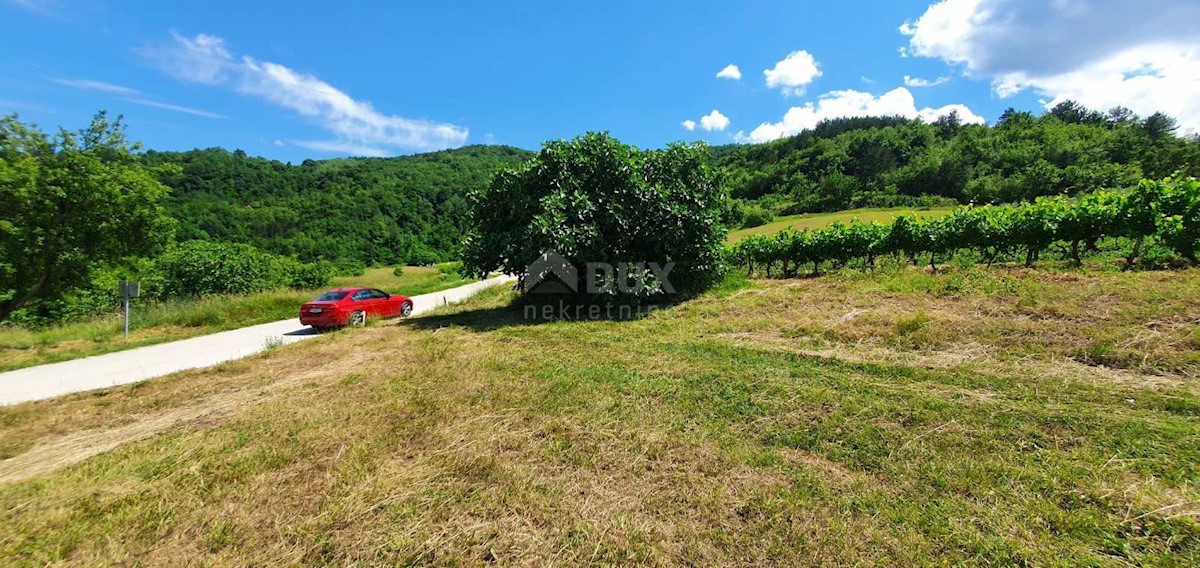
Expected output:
{"points": [[892, 161], [376, 211]]}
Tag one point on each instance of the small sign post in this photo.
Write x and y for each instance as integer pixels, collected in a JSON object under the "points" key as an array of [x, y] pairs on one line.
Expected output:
{"points": [[129, 289]]}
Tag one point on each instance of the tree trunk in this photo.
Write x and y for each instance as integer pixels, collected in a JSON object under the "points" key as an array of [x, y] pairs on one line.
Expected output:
{"points": [[1137, 248], [1075, 253], [1030, 256], [14, 304]]}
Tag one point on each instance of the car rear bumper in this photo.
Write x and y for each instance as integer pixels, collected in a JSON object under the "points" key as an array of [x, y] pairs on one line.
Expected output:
{"points": [[320, 320]]}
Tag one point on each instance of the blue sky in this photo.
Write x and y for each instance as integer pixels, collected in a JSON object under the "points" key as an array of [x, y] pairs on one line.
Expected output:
{"points": [[293, 80]]}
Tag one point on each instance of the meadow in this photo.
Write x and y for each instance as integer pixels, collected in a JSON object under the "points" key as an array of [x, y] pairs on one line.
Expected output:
{"points": [[158, 322], [994, 416], [819, 220]]}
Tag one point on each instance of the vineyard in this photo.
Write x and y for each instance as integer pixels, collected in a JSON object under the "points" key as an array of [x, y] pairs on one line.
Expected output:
{"points": [[1165, 213]]}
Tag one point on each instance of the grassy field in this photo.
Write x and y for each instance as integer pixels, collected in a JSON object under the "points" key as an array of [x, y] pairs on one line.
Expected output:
{"points": [[817, 220], [972, 416], [167, 321]]}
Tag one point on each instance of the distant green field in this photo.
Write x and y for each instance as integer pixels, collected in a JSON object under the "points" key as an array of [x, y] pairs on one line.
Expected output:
{"points": [[816, 220]]}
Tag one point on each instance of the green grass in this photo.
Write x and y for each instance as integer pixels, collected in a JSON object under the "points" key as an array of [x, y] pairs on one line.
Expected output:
{"points": [[817, 220], [157, 322], [898, 417]]}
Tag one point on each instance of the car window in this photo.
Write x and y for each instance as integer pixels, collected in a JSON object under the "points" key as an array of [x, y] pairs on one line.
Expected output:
{"points": [[378, 294], [361, 295], [330, 297]]}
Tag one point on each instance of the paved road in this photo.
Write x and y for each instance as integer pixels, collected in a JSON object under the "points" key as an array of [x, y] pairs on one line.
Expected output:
{"points": [[133, 365]]}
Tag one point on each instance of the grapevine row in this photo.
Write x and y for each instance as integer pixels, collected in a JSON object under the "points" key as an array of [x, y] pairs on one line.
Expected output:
{"points": [[1167, 210]]}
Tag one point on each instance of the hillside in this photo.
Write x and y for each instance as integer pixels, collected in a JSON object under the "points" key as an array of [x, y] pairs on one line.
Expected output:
{"points": [[377, 211], [889, 162], [996, 417]]}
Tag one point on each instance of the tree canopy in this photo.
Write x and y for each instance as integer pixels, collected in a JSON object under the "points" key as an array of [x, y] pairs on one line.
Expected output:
{"points": [[375, 211], [595, 200], [887, 161], [70, 202]]}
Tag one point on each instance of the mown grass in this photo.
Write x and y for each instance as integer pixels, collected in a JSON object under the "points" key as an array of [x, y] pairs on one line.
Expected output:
{"points": [[157, 322], [818, 220], [899, 417]]}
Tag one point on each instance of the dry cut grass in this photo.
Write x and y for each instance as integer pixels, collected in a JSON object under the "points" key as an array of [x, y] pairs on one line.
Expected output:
{"points": [[852, 419]]}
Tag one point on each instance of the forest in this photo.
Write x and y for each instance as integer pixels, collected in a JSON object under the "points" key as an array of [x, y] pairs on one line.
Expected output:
{"points": [[371, 211], [891, 161]]}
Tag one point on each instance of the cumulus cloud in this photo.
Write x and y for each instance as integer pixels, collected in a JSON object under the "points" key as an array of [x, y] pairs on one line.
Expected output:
{"points": [[730, 71], [793, 73], [917, 82], [1096, 52], [689, 124], [358, 127], [848, 103], [714, 121]]}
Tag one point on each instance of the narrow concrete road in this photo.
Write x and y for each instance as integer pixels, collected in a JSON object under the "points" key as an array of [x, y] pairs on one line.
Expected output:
{"points": [[133, 365]]}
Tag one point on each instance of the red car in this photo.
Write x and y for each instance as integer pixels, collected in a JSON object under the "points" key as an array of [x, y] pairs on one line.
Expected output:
{"points": [[353, 306]]}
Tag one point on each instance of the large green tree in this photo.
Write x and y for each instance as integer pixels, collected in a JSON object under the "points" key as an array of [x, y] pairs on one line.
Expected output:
{"points": [[70, 202], [596, 200]]}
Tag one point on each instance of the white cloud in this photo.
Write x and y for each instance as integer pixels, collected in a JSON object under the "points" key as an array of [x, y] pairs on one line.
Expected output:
{"points": [[714, 121], [202, 59], [90, 85], [793, 73], [280, 142], [357, 126], [689, 124], [730, 71], [132, 96], [42, 7], [176, 108], [917, 82], [848, 103], [1097, 52]]}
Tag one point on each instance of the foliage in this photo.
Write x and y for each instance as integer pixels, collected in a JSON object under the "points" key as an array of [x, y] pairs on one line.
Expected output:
{"points": [[198, 268], [893, 162], [1167, 210], [594, 199], [71, 202], [365, 211]]}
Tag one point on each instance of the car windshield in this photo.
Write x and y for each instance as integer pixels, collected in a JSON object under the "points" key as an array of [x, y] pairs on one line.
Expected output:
{"points": [[330, 296]]}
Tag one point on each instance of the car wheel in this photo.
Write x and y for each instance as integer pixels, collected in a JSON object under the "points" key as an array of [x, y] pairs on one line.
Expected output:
{"points": [[358, 319], [406, 309]]}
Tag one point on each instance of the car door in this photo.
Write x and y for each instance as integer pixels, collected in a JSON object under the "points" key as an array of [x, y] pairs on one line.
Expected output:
{"points": [[364, 301], [383, 304]]}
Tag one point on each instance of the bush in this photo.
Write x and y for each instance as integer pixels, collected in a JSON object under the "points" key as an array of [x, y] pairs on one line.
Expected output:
{"points": [[348, 267], [756, 216], [197, 268], [398, 271], [594, 199]]}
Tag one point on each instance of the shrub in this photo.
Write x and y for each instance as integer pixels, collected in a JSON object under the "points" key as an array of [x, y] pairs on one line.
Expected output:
{"points": [[197, 268], [755, 216]]}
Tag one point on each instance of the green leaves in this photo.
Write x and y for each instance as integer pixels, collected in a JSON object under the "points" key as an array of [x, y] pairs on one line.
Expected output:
{"points": [[1168, 210], [594, 199], [70, 203], [197, 268]]}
